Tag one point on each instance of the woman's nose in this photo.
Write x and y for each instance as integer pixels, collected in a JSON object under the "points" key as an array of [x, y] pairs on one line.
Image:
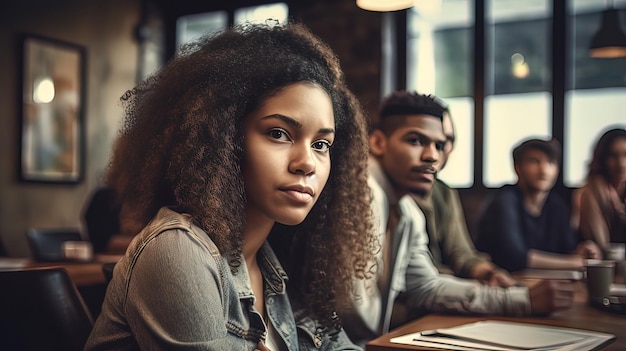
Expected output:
{"points": [[303, 160]]}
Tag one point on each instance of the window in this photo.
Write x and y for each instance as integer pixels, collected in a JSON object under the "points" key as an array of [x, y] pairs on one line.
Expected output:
{"points": [[518, 102], [517, 95], [193, 26], [277, 12], [595, 96], [439, 56]]}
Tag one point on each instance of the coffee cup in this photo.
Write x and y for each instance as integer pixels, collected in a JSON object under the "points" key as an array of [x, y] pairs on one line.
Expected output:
{"points": [[600, 275]]}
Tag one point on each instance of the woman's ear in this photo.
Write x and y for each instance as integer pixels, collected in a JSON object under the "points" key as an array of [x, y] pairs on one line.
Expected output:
{"points": [[378, 142]]}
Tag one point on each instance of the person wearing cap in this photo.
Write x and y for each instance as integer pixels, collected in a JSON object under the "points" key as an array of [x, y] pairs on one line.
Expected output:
{"points": [[406, 146], [526, 225]]}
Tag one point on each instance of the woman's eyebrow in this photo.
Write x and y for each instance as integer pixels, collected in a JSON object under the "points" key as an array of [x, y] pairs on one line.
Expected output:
{"points": [[288, 120], [294, 123]]}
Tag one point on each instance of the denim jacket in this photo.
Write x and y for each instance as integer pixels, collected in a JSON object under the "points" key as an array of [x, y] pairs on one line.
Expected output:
{"points": [[174, 290]]}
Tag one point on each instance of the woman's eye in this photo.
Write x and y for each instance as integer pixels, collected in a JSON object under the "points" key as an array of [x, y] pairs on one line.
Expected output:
{"points": [[278, 134], [321, 145]]}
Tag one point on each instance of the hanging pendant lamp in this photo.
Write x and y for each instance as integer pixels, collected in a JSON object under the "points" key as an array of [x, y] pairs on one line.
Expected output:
{"points": [[384, 5], [610, 40]]}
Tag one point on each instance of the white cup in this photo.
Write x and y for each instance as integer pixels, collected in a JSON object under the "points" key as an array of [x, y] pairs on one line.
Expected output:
{"points": [[617, 252], [78, 250]]}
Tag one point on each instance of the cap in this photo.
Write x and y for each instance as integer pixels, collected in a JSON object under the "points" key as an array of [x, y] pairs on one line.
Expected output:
{"points": [[551, 147]]}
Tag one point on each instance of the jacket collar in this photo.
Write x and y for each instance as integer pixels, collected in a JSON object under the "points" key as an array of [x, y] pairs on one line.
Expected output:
{"points": [[274, 275]]}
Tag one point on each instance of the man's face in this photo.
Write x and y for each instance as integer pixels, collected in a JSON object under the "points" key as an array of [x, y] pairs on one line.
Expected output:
{"points": [[536, 171], [410, 155], [448, 131]]}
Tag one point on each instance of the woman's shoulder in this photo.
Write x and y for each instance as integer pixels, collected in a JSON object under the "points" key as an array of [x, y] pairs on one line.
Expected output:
{"points": [[595, 183], [169, 225]]}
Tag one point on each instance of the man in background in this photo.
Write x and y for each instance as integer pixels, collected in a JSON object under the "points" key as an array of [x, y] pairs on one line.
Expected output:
{"points": [[406, 149], [450, 244], [526, 225]]}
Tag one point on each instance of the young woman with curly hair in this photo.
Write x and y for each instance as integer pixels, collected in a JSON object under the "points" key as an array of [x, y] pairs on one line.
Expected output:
{"points": [[228, 143]]}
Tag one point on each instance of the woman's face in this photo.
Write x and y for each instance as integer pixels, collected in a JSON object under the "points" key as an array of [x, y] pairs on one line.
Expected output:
{"points": [[287, 158], [616, 161]]}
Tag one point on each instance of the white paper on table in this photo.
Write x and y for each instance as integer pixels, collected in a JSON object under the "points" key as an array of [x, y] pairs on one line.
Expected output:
{"points": [[486, 335]]}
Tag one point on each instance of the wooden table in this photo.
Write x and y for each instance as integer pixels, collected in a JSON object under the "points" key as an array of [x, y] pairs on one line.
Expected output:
{"points": [[580, 316], [82, 273]]}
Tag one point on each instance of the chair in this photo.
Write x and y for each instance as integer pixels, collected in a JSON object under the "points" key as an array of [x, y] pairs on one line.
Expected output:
{"points": [[107, 269], [47, 244], [3, 251], [101, 218], [41, 309]]}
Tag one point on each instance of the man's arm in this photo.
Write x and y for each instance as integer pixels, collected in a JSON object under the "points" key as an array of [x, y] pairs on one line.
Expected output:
{"points": [[458, 248], [433, 292], [564, 251], [427, 290], [549, 260]]}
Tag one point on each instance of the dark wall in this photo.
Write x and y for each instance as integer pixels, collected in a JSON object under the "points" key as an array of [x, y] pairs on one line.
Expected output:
{"points": [[355, 36]]}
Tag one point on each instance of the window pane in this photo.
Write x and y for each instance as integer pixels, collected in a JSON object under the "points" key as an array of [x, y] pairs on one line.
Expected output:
{"points": [[519, 56], [194, 26], [260, 14], [518, 104], [597, 91], [509, 119], [439, 62]]}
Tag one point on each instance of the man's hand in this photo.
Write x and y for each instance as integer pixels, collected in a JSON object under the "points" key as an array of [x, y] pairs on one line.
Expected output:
{"points": [[547, 296], [502, 278], [488, 273], [589, 249]]}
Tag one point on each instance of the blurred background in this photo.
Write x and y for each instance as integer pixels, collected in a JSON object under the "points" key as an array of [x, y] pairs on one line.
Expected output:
{"points": [[508, 69]]}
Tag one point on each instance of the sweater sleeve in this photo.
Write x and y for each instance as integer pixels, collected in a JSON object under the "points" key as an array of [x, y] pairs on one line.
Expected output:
{"points": [[457, 245]]}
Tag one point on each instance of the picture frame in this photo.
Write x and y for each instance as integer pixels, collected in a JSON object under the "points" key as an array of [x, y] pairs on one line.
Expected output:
{"points": [[52, 101]]}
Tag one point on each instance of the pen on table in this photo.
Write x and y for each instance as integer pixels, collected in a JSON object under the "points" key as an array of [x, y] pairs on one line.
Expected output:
{"points": [[427, 333]]}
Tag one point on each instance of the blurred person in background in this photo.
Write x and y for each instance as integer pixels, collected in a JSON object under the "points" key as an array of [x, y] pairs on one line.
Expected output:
{"points": [[603, 197], [526, 225]]}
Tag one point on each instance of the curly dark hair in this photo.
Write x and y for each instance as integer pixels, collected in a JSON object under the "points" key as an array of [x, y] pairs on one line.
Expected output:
{"points": [[181, 146], [597, 166]]}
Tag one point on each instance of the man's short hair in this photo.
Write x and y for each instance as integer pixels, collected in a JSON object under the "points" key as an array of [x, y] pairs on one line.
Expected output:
{"points": [[552, 148], [405, 103]]}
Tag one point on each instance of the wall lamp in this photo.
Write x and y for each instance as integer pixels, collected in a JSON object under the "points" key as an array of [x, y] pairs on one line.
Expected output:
{"points": [[610, 40], [384, 5]]}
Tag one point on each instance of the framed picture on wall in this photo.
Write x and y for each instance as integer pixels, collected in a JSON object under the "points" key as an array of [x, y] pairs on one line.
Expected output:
{"points": [[52, 110]]}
